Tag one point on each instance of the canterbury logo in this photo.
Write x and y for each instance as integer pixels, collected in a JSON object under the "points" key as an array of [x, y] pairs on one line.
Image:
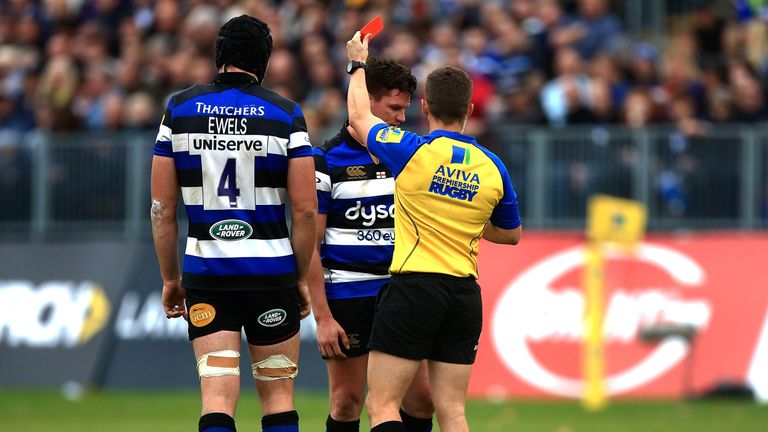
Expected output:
{"points": [[356, 171]]}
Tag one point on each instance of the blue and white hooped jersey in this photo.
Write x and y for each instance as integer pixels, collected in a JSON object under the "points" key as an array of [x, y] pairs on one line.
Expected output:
{"points": [[230, 142], [358, 197]]}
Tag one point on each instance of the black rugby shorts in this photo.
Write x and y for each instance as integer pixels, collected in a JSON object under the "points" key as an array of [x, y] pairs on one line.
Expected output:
{"points": [[355, 316], [429, 316], [268, 317]]}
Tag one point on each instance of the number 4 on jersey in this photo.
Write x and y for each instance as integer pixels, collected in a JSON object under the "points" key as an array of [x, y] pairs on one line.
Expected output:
{"points": [[228, 183]]}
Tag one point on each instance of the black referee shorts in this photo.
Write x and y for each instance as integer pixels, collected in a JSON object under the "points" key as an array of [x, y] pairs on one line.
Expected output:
{"points": [[429, 316]]}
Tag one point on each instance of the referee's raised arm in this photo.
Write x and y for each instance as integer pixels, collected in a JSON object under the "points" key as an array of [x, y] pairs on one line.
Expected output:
{"points": [[361, 118]]}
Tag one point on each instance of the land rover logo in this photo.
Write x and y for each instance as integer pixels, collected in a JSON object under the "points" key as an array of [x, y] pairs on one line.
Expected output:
{"points": [[272, 318], [231, 230]]}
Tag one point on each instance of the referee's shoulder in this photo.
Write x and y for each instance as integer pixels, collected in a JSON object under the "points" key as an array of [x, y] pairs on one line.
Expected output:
{"points": [[492, 156]]}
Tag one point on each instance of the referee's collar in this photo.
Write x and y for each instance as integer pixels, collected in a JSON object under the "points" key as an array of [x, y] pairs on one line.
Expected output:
{"points": [[437, 133], [234, 78]]}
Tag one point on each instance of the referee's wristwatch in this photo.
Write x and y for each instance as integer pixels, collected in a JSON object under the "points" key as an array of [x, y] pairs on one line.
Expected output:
{"points": [[354, 65]]}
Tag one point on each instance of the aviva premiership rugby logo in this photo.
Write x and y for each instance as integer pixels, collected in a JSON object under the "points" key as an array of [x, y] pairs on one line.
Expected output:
{"points": [[390, 135], [231, 230], [272, 317]]}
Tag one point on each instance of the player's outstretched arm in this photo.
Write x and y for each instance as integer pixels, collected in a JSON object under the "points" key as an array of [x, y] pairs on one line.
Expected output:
{"points": [[165, 233], [502, 236], [358, 105]]}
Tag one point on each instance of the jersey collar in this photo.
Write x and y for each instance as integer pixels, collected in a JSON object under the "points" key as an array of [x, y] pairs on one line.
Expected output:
{"points": [[234, 78], [347, 137], [452, 135]]}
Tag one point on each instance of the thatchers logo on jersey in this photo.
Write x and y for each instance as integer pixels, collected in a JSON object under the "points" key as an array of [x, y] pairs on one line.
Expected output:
{"points": [[272, 318], [231, 230], [201, 314]]}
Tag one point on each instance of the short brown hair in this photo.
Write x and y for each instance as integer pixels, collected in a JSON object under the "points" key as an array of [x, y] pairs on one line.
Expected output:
{"points": [[383, 75], [448, 92]]}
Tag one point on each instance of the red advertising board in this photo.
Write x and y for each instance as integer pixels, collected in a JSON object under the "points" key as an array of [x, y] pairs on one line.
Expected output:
{"points": [[533, 312]]}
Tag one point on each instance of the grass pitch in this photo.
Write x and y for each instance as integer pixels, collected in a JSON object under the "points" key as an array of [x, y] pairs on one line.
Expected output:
{"points": [[178, 411]]}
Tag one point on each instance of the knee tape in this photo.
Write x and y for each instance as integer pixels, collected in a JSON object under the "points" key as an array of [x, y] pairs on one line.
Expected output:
{"points": [[275, 368], [219, 363]]}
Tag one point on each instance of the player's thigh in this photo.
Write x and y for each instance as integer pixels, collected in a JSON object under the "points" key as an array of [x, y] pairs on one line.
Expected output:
{"points": [[288, 348], [346, 377], [355, 316], [214, 323], [218, 364], [274, 368], [219, 341], [449, 382], [389, 377], [418, 398]]}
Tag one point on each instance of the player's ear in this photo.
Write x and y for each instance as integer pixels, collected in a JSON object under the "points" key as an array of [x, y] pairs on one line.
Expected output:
{"points": [[470, 109], [424, 108]]}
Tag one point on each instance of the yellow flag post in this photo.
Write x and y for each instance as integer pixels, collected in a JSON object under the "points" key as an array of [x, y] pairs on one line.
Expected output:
{"points": [[609, 220]]}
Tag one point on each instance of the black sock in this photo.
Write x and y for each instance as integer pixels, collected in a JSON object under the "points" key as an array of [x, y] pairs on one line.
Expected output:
{"points": [[390, 426], [284, 422], [216, 422], [332, 425], [415, 424]]}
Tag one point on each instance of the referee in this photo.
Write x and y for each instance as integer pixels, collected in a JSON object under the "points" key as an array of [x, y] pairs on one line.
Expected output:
{"points": [[449, 193]]}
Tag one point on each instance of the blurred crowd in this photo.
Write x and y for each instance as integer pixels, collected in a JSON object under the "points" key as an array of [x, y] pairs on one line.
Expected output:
{"points": [[109, 65]]}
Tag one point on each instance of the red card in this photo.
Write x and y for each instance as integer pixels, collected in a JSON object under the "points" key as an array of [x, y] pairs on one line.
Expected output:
{"points": [[373, 27]]}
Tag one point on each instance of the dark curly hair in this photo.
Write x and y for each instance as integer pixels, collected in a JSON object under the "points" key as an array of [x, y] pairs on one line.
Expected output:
{"points": [[244, 42], [383, 75]]}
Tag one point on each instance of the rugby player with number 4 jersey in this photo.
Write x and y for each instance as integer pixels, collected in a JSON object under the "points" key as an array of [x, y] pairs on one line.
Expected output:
{"points": [[233, 150]]}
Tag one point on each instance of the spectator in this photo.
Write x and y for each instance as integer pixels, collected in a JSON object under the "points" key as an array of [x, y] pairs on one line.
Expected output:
{"points": [[591, 31], [60, 60], [568, 93], [749, 102], [542, 28], [639, 109]]}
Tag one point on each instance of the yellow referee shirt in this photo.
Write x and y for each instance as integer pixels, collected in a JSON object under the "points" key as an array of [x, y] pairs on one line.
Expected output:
{"points": [[447, 187]]}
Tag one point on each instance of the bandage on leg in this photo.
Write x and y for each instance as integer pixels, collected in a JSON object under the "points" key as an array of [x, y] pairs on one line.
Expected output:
{"points": [[275, 368], [219, 363]]}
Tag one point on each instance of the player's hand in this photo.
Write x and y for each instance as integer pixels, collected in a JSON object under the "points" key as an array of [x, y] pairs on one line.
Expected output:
{"points": [[173, 299], [357, 47], [329, 333], [305, 306]]}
